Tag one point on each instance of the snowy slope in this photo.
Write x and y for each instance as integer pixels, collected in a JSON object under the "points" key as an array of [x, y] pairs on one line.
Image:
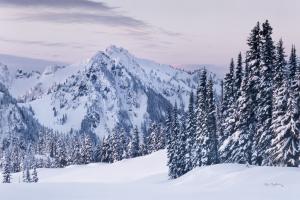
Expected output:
{"points": [[27, 64], [14, 120], [146, 178]]}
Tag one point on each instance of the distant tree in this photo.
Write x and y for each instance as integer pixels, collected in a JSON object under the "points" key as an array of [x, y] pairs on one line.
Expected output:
{"points": [[135, 144], [6, 169], [35, 178]]}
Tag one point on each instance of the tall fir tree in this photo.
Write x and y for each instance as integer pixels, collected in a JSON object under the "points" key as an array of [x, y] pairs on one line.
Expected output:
{"points": [[229, 109], [285, 151], [239, 149], [253, 61], [202, 142], [211, 123], [263, 136], [173, 145], [280, 101], [191, 130]]}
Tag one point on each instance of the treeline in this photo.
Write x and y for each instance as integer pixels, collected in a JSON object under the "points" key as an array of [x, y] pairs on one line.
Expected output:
{"points": [[256, 122], [57, 150]]}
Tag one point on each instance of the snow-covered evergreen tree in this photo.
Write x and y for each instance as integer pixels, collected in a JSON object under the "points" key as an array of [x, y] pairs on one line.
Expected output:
{"points": [[238, 76], [6, 169], [173, 145], [202, 142], [87, 150], [26, 175], [253, 60], [239, 148], [292, 65], [35, 178], [135, 144], [280, 100], [211, 123], [263, 136], [190, 134]]}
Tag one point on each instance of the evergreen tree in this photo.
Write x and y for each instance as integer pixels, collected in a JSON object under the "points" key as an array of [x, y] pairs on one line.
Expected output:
{"points": [[190, 138], [239, 149], [35, 178], [97, 153], [173, 145], [253, 61], [135, 144], [76, 154], [228, 113], [263, 135], [211, 123], [87, 150], [280, 100], [285, 151], [292, 64], [238, 75], [61, 157], [229, 87], [6, 169], [26, 176], [117, 150], [202, 142], [107, 150]]}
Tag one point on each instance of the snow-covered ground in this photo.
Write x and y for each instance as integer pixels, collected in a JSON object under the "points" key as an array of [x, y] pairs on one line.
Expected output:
{"points": [[146, 178]]}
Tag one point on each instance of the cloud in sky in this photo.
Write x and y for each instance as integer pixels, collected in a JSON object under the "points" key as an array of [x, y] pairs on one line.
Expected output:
{"points": [[72, 11], [86, 4], [77, 17], [40, 43]]}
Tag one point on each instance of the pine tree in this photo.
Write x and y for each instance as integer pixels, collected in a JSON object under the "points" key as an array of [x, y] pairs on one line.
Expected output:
{"points": [[173, 145], [61, 157], [238, 75], [135, 144], [280, 100], [228, 113], [107, 151], [239, 148], [76, 155], [263, 135], [117, 150], [229, 87], [26, 175], [6, 169], [97, 153], [87, 150], [211, 123], [292, 64], [202, 142], [253, 61], [191, 129], [35, 178], [285, 151]]}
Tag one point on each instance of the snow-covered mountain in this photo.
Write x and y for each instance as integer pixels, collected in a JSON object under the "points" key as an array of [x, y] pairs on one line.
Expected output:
{"points": [[15, 122], [113, 88]]}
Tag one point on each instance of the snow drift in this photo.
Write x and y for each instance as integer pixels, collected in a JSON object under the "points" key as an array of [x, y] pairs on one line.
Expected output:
{"points": [[147, 178]]}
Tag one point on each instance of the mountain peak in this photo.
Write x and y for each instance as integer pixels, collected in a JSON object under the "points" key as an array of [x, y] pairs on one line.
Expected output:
{"points": [[115, 49]]}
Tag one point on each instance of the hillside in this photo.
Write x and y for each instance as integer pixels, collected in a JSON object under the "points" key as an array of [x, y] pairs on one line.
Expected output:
{"points": [[146, 178]]}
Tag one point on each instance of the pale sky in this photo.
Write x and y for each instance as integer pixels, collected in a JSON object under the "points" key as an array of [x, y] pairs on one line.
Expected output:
{"points": [[167, 31]]}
